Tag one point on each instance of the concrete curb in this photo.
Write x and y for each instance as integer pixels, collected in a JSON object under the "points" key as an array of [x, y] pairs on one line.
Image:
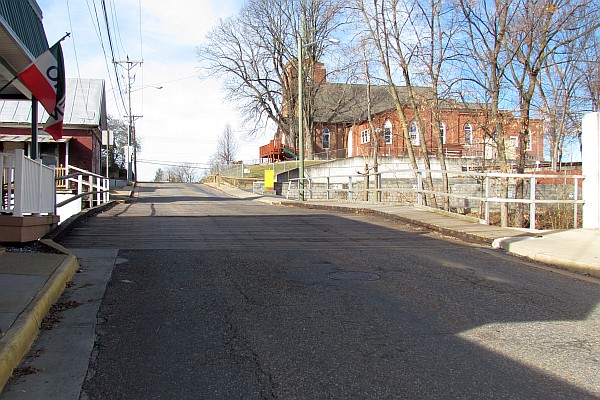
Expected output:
{"points": [[509, 245], [477, 239], [23, 332], [56, 247], [571, 265], [448, 214]]}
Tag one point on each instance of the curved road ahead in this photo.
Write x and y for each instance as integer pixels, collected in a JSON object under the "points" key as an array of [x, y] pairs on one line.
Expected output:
{"points": [[214, 297]]}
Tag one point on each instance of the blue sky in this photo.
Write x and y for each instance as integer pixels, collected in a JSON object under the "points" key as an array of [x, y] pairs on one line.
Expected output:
{"points": [[181, 121]]}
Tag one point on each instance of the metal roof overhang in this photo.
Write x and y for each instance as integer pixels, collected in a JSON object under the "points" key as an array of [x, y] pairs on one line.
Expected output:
{"points": [[27, 138], [13, 59], [22, 39]]}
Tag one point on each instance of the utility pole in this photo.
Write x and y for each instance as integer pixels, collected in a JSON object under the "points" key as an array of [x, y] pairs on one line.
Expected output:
{"points": [[134, 144], [129, 65]]}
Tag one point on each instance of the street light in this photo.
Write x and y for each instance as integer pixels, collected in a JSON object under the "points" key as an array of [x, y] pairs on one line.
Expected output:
{"points": [[147, 87], [300, 111]]}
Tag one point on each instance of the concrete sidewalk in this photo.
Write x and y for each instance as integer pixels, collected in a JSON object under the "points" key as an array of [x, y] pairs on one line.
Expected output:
{"points": [[577, 250], [30, 283]]}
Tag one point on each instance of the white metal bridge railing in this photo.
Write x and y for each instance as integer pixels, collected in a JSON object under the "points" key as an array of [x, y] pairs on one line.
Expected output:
{"points": [[486, 195]]}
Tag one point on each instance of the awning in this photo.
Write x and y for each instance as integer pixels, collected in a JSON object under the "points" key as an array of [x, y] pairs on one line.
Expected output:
{"points": [[42, 138], [22, 39]]}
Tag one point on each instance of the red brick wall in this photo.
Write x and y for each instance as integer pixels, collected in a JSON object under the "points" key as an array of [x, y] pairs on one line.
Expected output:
{"points": [[560, 177], [454, 120], [337, 138]]}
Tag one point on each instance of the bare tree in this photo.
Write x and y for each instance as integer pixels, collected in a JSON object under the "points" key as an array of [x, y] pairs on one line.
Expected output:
{"points": [[487, 60], [562, 89], [160, 175], [485, 45], [186, 173], [375, 132], [569, 86], [591, 72], [435, 25], [542, 28], [227, 146], [255, 52], [386, 23]]}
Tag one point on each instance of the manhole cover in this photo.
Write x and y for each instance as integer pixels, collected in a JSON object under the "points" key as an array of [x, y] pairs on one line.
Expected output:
{"points": [[353, 276]]}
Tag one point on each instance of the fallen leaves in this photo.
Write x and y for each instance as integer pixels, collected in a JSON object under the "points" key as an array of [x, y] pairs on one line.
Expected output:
{"points": [[54, 316]]}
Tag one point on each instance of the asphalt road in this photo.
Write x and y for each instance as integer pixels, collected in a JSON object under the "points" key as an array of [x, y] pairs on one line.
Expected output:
{"points": [[213, 297]]}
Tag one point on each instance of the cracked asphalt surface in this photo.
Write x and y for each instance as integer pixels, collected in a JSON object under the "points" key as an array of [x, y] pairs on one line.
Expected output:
{"points": [[220, 298]]}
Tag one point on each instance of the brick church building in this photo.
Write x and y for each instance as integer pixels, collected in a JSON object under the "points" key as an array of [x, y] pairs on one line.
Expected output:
{"points": [[342, 128]]}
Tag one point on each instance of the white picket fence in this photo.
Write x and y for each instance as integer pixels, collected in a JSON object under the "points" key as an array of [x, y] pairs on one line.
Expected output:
{"points": [[27, 185]]}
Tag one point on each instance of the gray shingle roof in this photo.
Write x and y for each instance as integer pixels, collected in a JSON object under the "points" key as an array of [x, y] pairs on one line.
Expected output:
{"points": [[347, 103]]}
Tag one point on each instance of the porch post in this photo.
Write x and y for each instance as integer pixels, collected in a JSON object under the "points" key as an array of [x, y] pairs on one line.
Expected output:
{"points": [[19, 186], [34, 128], [66, 157]]}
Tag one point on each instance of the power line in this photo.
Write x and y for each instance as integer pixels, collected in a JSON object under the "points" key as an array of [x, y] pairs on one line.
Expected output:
{"points": [[98, 31], [73, 39], [116, 27], [112, 49], [178, 79], [172, 164], [141, 40], [141, 53], [75, 53]]}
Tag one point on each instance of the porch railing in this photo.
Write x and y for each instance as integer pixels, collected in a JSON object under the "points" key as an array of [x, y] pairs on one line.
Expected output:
{"points": [[27, 185], [84, 184]]}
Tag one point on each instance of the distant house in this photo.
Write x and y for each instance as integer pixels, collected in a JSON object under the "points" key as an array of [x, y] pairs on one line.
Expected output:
{"points": [[84, 120], [342, 128]]}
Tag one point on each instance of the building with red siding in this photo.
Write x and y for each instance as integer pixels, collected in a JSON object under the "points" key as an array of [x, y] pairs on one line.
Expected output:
{"points": [[84, 121]]}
